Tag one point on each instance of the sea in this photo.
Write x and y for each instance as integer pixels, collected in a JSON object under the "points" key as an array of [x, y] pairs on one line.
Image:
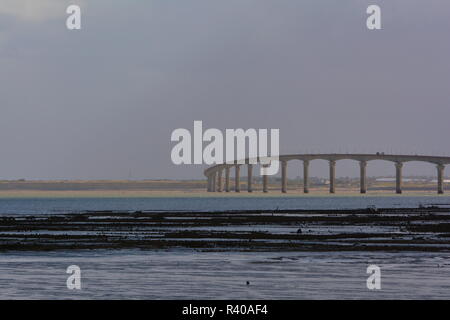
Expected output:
{"points": [[196, 274]]}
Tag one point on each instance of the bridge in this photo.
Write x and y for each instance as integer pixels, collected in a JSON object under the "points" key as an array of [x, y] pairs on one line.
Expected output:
{"points": [[216, 176]]}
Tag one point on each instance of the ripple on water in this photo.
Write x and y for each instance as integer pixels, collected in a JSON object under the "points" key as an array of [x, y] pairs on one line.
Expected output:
{"points": [[186, 274]]}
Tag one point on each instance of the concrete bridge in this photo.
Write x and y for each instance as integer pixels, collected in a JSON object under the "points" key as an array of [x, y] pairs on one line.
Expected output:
{"points": [[219, 175]]}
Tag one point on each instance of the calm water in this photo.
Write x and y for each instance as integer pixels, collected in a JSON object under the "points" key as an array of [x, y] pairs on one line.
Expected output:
{"points": [[58, 205], [208, 275], [186, 274]]}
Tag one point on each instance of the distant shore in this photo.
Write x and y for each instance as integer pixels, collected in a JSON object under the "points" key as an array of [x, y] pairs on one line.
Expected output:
{"points": [[186, 188], [196, 193]]}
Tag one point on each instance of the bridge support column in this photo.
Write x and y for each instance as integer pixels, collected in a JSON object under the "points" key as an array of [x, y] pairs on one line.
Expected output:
{"points": [[209, 183], [332, 176], [283, 176], [219, 180], [237, 178], [249, 177], [265, 178], [227, 179], [398, 177], [440, 174], [213, 182], [306, 176], [363, 177]]}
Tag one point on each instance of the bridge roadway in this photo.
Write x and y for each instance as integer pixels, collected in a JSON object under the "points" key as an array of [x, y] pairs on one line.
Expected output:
{"points": [[215, 174]]}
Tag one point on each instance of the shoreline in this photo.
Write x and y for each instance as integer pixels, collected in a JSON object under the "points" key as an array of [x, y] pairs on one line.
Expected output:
{"points": [[197, 193], [194, 188]]}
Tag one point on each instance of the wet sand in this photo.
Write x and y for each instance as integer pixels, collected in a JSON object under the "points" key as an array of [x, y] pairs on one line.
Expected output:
{"points": [[395, 229]]}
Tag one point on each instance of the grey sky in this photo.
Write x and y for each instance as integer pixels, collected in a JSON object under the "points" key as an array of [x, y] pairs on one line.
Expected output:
{"points": [[102, 101]]}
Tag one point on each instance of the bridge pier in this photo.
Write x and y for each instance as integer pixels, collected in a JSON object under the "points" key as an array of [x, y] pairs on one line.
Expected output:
{"points": [[398, 177], [227, 179], [440, 174], [209, 183], [305, 176], [283, 176], [249, 177], [363, 177], [213, 182], [237, 178], [219, 180], [265, 181], [332, 176]]}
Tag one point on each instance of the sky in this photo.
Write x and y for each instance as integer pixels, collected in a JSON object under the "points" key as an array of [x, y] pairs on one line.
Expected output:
{"points": [[102, 102]]}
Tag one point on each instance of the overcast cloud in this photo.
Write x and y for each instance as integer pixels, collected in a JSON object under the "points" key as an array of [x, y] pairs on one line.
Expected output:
{"points": [[103, 101]]}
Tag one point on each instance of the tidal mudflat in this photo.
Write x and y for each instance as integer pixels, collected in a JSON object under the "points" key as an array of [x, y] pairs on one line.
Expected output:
{"points": [[387, 229]]}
